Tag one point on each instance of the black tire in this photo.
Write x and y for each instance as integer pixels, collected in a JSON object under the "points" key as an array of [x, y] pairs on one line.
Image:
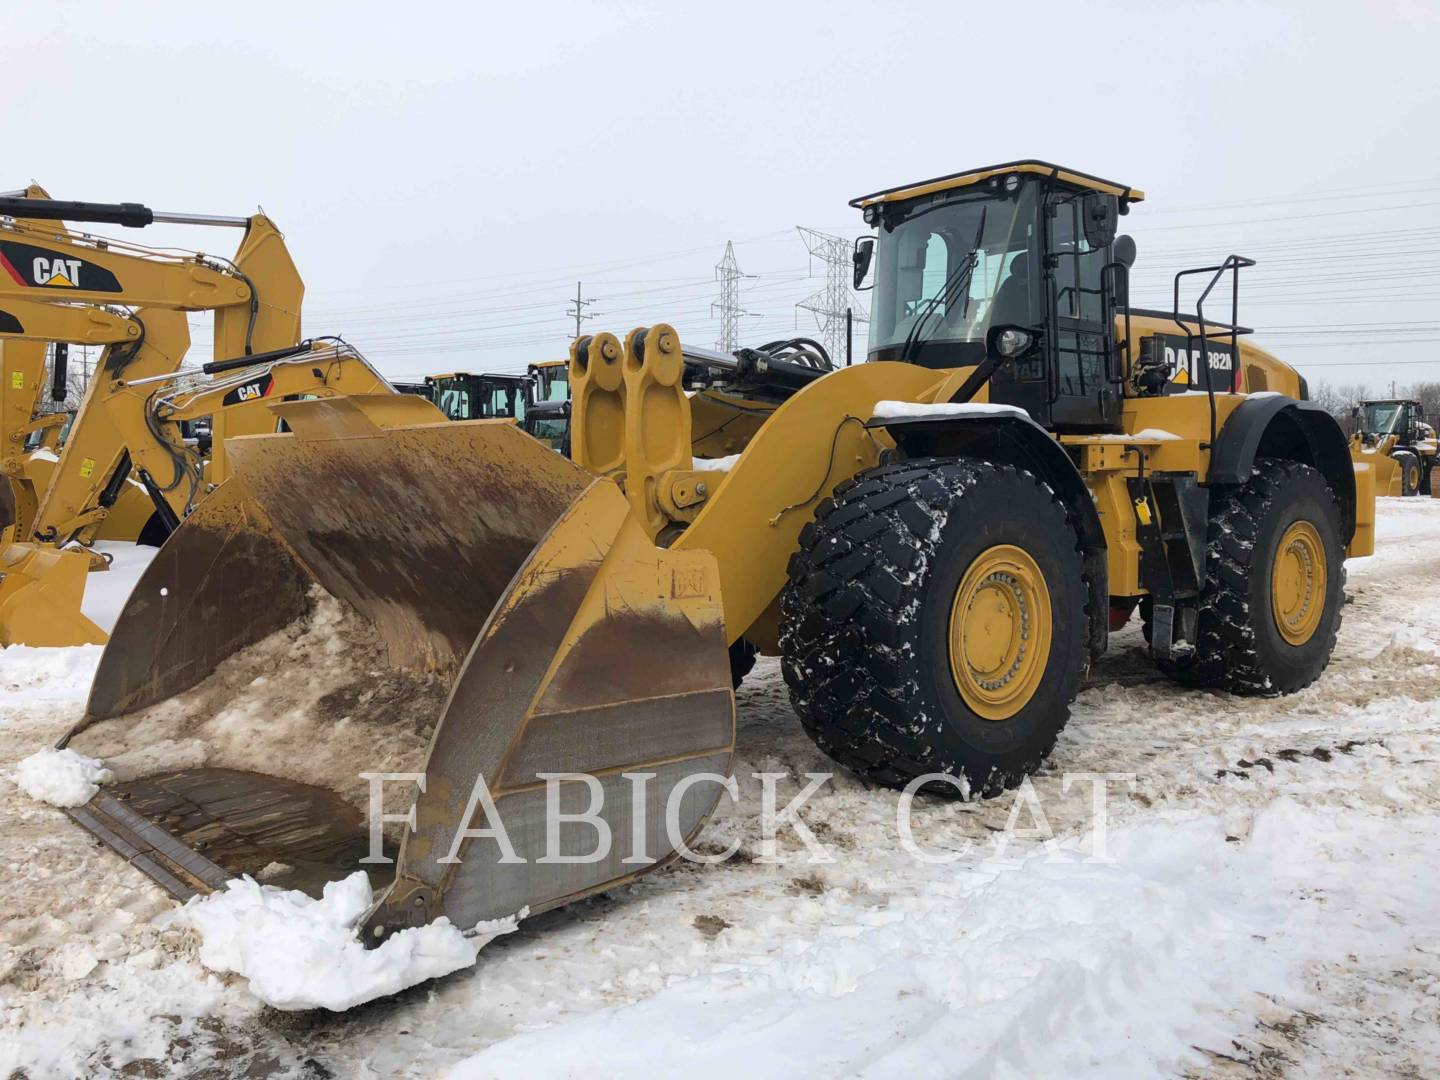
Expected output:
{"points": [[742, 660], [865, 621], [1240, 646], [1409, 466]]}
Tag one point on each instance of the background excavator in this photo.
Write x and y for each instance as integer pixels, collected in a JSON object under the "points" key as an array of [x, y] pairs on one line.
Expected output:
{"points": [[1392, 437], [61, 285], [28, 331], [936, 543]]}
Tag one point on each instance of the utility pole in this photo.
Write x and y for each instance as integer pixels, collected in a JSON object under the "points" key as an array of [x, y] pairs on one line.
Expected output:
{"points": [[835, 306], [727, 273], [579, 314]]}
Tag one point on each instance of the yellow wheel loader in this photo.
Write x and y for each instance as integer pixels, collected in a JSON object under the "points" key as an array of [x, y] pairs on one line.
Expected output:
{"points": [[935, 542], [1392, 437], [538, 400]]}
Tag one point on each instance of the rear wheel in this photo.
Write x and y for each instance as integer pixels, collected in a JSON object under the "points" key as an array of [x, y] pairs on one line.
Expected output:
{"points": [[1275, 583], [935, 623], [1409, 466]]}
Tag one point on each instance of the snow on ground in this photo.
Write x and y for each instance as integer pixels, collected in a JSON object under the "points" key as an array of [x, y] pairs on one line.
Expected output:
{"points": [[1267, 907]]}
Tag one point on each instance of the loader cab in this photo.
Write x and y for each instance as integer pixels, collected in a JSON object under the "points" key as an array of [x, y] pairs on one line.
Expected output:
{"points": [[1377, 419], [550, 423], [463, 396], [1029, 246]]}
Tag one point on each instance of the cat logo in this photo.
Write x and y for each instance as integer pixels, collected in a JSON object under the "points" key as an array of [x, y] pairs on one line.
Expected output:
{"points": [[64, 273], [250, 391], [34, 267]]}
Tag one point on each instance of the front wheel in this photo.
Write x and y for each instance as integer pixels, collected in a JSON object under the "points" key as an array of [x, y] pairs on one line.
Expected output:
{"points": [[935, 623]]}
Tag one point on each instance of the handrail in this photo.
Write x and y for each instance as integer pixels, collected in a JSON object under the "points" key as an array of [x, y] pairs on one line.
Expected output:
{"points": [[1234, 264]]}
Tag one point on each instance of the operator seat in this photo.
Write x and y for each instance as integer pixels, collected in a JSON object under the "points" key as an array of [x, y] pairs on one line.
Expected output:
{"points": [[1012, 298]]}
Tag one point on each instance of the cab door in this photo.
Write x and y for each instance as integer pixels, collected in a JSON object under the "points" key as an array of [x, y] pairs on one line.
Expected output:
{"points": [[1083, 363]]}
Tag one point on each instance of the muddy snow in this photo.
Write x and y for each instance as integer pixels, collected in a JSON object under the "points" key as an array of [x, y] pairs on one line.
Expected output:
{"points": [[1260, 902]]}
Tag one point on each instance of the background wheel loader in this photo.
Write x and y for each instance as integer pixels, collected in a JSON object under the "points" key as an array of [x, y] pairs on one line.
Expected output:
{"points": [[538, 400], [1392, 437], [935, 542]]}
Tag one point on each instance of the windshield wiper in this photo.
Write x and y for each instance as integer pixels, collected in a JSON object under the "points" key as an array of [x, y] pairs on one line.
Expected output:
{"points": [[961, 274]]}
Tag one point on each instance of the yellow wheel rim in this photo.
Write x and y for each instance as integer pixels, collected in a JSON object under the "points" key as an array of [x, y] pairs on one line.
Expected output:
{"points": [[1297, 583], [1000, 632]]}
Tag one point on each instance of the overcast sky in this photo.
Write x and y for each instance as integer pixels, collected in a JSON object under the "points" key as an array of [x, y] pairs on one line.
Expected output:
{"points": [[445, 173]]}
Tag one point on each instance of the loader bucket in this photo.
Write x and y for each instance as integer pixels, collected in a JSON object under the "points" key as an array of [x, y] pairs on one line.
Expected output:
{"points": [[511, 622], [40, 593]]}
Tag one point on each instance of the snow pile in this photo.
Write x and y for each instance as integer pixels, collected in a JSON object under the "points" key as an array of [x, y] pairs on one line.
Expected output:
{"points": [[302, 953], [1415, 638], [897, 410], [61, 777]]}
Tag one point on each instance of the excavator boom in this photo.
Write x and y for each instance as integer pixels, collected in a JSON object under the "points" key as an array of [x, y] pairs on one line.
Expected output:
{"points": [[52, 281]]}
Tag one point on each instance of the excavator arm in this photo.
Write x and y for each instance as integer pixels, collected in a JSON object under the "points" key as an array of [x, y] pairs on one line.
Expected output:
{"points": [[26, 331]]}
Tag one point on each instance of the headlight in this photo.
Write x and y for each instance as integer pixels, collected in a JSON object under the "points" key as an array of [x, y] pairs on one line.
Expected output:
{"points": [[1013, 342], [1012, 182], [872, 214]]}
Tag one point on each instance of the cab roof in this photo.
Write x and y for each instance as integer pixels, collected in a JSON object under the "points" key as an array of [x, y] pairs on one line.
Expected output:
{"points": [[498, 376], [975, 176]]}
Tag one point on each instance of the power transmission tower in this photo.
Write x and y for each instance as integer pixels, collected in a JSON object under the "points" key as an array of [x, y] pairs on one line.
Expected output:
{"points": [[832, 303], [579, 314], [727, 272]]}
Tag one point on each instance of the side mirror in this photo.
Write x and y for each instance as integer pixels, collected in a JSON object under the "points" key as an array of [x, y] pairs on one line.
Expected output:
{"points": [[1010, 343], [1100, 214], [1124, 250], [864, 254]]}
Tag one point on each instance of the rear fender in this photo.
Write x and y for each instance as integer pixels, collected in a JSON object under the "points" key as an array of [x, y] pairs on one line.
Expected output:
{"points": [[1276, 426]]}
